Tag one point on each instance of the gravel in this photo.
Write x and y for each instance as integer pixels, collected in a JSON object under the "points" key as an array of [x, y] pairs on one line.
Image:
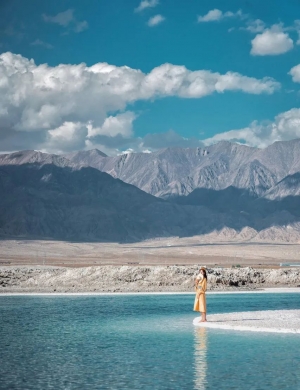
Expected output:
{"points": [[141, 279]]}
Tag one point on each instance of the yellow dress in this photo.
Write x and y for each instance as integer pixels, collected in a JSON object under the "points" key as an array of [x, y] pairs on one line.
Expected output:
{"points": [[200, 299]]}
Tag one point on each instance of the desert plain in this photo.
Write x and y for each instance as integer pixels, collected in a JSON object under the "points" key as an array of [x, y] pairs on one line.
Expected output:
{"points": [[168, 251], [162, 265]]}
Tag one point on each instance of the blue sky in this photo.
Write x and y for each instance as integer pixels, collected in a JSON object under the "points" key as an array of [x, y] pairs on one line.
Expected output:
{"points": [[248, 50]]}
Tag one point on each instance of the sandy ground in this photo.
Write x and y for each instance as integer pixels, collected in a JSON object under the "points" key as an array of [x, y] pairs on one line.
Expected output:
{"points": [[277, 321], [171, 251]]}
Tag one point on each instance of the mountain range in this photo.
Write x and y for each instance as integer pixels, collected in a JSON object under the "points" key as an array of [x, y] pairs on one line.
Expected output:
{"points": [[225, 190], [176, 172]]}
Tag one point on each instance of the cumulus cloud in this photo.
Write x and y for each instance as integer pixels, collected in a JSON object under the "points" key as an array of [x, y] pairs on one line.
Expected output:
{"points": [[285, 127], [172, 80], [272, 41], [146, 4], [295, 73], [113, 126], [255, 26], [67, 19], [67, 137], [216, 15], [155, 20], [92, 101]]}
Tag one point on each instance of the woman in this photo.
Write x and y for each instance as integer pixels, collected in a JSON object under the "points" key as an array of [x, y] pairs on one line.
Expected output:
{"points": [[200, 299]]}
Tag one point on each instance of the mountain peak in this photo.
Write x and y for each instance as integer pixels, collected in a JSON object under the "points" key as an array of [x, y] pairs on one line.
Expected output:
{"points": [[34, 157], [92, 152], [100, 152], [85, 154]]}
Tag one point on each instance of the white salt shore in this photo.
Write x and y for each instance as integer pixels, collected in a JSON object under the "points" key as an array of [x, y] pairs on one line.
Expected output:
{"points": [[277, 290], [276, 321]]}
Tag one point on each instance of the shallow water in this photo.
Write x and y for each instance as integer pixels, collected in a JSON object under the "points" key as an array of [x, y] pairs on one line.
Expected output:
{"points": [[141, 342]]}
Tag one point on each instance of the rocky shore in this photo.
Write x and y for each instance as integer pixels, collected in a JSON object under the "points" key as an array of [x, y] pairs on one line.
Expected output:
{"points": [[140, 279]]}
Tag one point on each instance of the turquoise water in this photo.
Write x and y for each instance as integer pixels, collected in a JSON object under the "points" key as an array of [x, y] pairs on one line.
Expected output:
{"points": [[141, 342]]}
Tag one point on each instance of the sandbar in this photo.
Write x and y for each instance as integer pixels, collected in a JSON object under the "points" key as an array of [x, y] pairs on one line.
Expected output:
{"points": [[274, 321]]}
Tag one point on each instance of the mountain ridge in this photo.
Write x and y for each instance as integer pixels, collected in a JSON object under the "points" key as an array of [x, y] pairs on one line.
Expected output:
{"points": [[44, 195], [173, 172], [178, 171]]}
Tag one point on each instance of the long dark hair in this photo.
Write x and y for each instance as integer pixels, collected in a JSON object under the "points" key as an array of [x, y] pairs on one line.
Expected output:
{"points": [[204, 273]]}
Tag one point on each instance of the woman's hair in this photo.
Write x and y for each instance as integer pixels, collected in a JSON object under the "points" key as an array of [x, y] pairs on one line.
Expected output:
{"points": [[204, 273]]}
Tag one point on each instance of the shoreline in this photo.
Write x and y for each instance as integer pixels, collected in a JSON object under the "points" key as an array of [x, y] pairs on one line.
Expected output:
{"points": [[270, 290]]}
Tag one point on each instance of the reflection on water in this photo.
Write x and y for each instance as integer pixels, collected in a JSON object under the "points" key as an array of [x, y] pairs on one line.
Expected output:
{"points": [[200, 365], [141, 342]]}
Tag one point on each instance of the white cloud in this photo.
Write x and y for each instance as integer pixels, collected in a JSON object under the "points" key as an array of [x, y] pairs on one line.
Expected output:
{"points": [[146, 4], [155, 20], [172, 80], [216, 15], [295, 27], [295, 73], [236, 82], [39, 42], [81, 26], [286, 126], [271, 41], [62, 18], [255, 26], [211, 16], [66, 19], [120, 124], [67, 137], [45, 101]]}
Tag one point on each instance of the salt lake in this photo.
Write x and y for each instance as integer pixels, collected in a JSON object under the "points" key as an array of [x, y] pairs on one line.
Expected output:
{"points": [[141, 342]]}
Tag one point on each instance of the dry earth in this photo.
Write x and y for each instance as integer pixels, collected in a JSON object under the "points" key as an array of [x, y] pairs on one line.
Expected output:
{"points": [[171, 251], [150, 266]]}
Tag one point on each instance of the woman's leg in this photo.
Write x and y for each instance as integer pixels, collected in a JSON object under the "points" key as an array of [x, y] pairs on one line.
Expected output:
{"points": [[203, 317]]}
